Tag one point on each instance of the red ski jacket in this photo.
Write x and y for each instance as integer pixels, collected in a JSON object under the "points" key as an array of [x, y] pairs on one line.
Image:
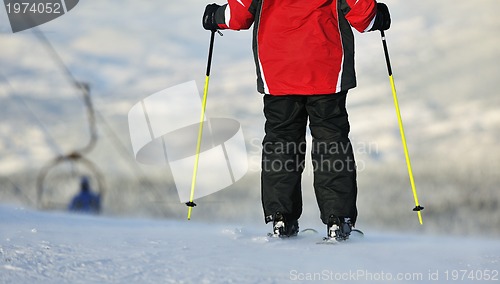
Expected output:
{"points": [[301, 47]]}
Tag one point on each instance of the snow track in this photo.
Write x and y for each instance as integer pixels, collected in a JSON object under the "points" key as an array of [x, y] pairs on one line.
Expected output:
{"points": [[41, 247]]}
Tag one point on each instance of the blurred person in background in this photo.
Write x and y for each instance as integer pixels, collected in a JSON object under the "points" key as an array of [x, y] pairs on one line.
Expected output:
{"points": [[86, 201]]}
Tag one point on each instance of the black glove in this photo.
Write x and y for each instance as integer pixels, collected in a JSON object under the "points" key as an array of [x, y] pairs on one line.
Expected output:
{"points": [[209, 17], [382, 19]]}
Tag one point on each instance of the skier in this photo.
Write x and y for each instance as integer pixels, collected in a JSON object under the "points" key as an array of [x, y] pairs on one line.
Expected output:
{"points": [[85, 201], [304, 55]]}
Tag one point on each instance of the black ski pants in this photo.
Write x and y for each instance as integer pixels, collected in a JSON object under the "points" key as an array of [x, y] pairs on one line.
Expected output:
{"points": [[283, 155]]}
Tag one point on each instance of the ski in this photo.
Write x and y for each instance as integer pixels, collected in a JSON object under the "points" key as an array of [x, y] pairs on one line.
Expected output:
{"points": [[355, 234], [307, 231]]}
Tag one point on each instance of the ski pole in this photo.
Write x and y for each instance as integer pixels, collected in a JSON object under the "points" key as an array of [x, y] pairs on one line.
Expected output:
{"points": [[417, 208], [191, 204]]}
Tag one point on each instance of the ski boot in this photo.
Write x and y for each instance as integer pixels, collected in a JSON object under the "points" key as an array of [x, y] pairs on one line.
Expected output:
{"points": [[283, 228], [338, 228]]}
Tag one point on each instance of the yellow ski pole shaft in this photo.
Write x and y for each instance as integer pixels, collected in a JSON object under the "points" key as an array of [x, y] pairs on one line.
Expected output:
{"points": [[417, 208], [191, 204]]}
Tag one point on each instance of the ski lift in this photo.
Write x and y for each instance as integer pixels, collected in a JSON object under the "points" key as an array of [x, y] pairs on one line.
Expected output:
{"points": [[59, 181]]}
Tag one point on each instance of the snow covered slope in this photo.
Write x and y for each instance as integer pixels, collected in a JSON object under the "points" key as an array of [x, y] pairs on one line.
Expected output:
{"points": [[41, 247], [445, 57]]}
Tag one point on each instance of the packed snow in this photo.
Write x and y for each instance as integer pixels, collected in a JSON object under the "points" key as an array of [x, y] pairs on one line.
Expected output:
{"points": [[58, 247]]}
